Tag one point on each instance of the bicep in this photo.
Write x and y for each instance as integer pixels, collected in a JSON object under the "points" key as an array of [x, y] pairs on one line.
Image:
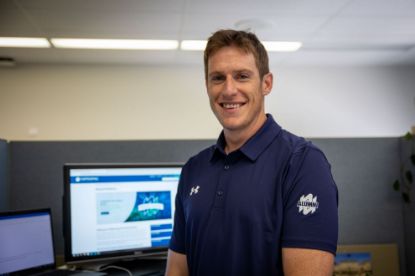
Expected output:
{"points": [[304, 262], [176, 264]]}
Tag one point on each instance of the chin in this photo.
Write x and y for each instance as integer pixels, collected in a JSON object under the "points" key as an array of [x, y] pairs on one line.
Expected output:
{"points": [[231, 124]]}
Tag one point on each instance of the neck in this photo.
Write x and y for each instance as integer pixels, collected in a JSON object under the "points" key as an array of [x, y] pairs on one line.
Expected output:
{"points": [[235, 139]]}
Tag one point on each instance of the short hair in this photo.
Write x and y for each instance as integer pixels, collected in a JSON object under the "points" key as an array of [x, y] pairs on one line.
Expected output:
{"points": [[246, 41]]}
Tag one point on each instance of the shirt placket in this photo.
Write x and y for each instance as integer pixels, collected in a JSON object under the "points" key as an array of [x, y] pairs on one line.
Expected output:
{"points": [[225, 178], [221, 188]]}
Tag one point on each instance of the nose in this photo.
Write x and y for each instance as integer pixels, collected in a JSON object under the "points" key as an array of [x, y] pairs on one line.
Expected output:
{"points": [[230, 88]]}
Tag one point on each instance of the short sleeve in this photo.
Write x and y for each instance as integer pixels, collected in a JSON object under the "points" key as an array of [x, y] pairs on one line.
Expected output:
{"points": [[310, 203], [177, 241]]}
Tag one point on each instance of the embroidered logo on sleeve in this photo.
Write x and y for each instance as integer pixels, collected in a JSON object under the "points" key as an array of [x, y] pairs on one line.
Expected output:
{"points": [[194, 190], [307, 204]]}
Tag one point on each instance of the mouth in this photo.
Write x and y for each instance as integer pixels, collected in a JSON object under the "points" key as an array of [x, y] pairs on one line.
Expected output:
{"points": [[230, 106]]}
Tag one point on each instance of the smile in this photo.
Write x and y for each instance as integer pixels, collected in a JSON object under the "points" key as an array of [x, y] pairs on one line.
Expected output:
{"points": [[231, 105]]}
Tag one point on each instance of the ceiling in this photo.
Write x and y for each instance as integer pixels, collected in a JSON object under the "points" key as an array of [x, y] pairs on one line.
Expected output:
{"points": [[334, 32]]}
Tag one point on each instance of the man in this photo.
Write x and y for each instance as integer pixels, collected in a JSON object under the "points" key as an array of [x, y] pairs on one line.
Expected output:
{"points": [[261, 201]]}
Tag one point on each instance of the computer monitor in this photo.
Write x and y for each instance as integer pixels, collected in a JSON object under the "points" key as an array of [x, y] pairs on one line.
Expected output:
{"points": [[26, 242], [118, 211]]}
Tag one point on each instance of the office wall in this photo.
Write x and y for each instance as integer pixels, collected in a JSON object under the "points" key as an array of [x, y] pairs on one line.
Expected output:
{"points": [[4, 175], [364, 168], [103, 102]]}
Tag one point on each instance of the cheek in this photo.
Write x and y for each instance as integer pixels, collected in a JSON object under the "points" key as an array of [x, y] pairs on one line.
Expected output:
{"points": [[212, 94], [212, 100]]}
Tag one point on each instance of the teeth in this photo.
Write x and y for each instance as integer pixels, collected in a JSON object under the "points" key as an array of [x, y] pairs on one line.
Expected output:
{"points": [[231, 106]]}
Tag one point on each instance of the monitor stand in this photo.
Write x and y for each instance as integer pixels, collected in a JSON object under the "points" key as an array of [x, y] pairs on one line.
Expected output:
{"points": [[94, 266]]}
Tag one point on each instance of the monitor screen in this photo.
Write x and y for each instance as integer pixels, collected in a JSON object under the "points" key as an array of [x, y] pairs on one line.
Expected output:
{"points": [[26, 241], [117, 211]]}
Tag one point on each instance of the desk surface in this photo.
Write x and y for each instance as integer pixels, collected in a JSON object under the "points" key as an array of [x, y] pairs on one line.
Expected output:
{"points": [[138, 267]]}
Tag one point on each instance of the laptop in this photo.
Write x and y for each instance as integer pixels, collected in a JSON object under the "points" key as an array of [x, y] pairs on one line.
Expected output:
{"points": [[26, 244]]}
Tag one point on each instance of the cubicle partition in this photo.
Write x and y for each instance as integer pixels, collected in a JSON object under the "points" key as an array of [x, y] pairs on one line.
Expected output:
{"points": [[407, 148], [37, 167], [364, 169], [4, 175]]}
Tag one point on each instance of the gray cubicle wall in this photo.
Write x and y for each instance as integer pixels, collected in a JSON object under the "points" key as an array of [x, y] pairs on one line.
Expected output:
{"points": [[407, 148], [37, 167], [4, 175], [370, 212]]}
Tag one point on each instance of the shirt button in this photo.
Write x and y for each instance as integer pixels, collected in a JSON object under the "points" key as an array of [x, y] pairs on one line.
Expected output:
{"points": [[219, 193], [226, 167]]}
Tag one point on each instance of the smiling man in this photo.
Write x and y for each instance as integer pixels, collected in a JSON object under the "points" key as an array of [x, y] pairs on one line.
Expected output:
{"points": [[262, 201]]}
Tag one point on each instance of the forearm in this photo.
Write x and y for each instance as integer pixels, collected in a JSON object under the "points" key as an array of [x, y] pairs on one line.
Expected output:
{"points": [[176, 264], [307, 262]]}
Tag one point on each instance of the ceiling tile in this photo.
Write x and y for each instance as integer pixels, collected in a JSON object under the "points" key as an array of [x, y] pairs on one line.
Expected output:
{"points": [[115, 25], [127, 6], [266, 7], [380, 8], [334, 32]]}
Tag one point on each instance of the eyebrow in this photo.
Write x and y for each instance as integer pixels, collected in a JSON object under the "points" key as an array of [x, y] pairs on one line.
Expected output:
{"points": [[236, 71]]}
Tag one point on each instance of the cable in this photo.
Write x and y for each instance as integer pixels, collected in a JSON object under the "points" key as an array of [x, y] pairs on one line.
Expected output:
{"points": [[116, 267]]}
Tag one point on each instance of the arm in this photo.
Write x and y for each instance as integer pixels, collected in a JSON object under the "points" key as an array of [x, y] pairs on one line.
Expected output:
{"points": [[305, 262], [176, 264], [310, 231]]}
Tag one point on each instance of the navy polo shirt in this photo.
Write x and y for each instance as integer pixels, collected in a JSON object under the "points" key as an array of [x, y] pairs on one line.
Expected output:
{"points": [[234, 212]]}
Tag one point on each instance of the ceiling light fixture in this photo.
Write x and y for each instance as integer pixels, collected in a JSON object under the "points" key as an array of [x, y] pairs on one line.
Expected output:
{"points": [[115, 44], [193, 45], [271, 46], [281, 46], [24, 42]]}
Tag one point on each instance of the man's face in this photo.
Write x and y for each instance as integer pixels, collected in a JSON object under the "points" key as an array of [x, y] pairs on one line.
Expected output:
{"points": [[235, 90]]}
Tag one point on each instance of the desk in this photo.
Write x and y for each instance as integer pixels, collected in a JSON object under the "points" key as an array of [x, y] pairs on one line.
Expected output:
{"points": [[138, 267]]}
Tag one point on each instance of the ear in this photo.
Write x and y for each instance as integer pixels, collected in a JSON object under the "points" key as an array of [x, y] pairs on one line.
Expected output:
{"points": [[267, 82]]}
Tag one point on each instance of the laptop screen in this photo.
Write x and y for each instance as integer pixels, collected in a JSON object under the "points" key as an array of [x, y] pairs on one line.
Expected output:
{"points": [[26, 240]]}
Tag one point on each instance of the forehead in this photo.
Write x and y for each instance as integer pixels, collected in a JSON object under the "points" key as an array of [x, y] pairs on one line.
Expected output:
{"points": [[231, 58]]}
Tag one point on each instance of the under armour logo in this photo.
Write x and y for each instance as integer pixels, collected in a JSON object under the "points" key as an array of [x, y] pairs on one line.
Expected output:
{"points": [[194, 190]]}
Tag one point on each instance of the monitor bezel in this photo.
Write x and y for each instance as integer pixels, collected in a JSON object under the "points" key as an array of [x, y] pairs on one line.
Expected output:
{"points": [[108, 256]]}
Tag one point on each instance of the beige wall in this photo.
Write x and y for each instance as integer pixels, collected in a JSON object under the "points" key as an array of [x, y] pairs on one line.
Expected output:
{"points": [[101, 102], [91, 102]]}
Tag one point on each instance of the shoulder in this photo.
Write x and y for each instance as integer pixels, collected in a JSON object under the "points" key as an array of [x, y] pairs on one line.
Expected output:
{"points": [[193, 167], [298, 148], [201, 158], [197, 163], [306, 165]]}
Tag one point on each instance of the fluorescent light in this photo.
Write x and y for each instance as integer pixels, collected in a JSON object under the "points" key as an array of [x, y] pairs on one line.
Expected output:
{"points": [[281, 46], [193, 45], [272, 46], [115, 44], [26, 42]]}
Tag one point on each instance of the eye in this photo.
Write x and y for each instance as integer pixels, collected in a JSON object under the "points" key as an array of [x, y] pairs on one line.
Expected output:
{"points": [[242, 76], [217, 78]]}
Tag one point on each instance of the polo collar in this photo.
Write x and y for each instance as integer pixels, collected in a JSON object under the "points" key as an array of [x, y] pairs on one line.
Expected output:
{"points": [[255, 145]]}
